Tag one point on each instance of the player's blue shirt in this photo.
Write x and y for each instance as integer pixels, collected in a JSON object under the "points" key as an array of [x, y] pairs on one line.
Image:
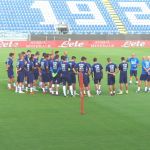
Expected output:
{"points": [[111, 68], [123, 67], [44, 66], [30, 66], [145, 64], [65, 68], [9, 62], [72, 65], [55, 66], [81, 67], [88, 67], [26, 58], [21, 65], [36, 62], [133, 63], [97, 69]]}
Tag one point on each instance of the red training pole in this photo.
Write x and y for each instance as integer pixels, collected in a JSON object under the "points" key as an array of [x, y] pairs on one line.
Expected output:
{"points": [[81, 93]]}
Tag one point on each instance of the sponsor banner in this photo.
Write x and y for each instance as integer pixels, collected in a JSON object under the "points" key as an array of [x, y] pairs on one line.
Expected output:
{"points": [[75, 44]]}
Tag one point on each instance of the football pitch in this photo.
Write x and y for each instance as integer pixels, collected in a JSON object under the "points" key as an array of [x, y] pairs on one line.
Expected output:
{"points": [[44, 122]]}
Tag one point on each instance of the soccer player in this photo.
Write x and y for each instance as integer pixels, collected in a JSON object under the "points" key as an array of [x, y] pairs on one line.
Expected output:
{"points": [[81, 67], [97, 74], [44, 72], [123, 68], [66, 78], [36, 70], [50, 60], [40, 72], [10, 71], [144, 74], [88, 73], [72, 72], [27, 56], [56, 55], [134, 62], [30, 74], [20, 73], [55, 70], [66, 55], [111, 70]]}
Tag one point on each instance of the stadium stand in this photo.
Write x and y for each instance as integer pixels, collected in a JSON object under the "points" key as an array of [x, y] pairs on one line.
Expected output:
{"points": [[82, 16]]}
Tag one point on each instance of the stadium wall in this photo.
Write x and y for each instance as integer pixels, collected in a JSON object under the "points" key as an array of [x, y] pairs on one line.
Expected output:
{"points": [[80, 41]]}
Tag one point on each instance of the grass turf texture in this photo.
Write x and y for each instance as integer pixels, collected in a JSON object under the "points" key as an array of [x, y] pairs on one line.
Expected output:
{"points": [[44, 122]]}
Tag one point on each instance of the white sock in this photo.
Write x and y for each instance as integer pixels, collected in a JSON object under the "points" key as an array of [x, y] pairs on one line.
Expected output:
{"points": [[16, 89], [88, 93], [56, 92], [26, 89], [75, 92], [111, 92], [9, 85], [97, 92], [50, 90], [146, 89], [20, 89], [149, 89], [31, 89], [43, 90], [14, 84], [130, 81], [71, 89], [139, 88], [114, 92], [64, 90]]}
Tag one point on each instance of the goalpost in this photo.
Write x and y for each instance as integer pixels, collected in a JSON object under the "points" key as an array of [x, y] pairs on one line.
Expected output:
{"points": [[81, 86]]}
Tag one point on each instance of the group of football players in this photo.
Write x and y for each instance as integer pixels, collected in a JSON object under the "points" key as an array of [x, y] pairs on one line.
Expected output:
{"points": [[50, 71]]}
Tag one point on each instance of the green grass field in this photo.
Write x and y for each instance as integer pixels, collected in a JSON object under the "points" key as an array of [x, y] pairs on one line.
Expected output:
{"points": [[44, 122]]}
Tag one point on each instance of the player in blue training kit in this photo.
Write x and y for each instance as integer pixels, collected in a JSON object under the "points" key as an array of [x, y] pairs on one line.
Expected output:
{"points": [[66, 78], [50, 61], [134, 62], [10, 71], [40, 73], [81, 67], [27, 56], [144, 74], [123, 68], [36, 70], [88, 73], [72, 73], [44, 72], [97, 74], [111, 70], [20, 73], [55, 70], [29, 67]]}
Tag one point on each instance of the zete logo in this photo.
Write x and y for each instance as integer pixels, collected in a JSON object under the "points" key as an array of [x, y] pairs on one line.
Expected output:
{"points": [[7, 44], [134, 44], [72, 44]]}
